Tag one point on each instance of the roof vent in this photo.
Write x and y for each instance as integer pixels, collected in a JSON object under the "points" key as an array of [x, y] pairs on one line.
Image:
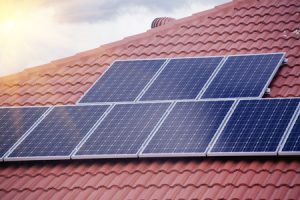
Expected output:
{"points": [[160, 21]]}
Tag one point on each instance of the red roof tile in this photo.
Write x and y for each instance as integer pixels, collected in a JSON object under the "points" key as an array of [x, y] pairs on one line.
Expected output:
{"points": [[250, 178], [233, 28]]}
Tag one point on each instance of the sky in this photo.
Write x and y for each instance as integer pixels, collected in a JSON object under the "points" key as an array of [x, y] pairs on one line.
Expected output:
{"points": [[35, 32]]}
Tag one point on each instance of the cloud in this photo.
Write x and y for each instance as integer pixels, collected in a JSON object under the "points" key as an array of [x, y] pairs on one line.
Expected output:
{"points": [[53, 29], [95, 10], [91, 11]]}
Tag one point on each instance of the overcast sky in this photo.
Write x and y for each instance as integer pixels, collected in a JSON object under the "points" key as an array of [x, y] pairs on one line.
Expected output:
{"points": [[34, 32]]}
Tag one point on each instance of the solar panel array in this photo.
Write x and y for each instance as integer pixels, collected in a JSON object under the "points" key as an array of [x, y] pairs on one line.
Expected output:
{"points": [[186, 78], [188, 129], [182, 78], [117, 122]]}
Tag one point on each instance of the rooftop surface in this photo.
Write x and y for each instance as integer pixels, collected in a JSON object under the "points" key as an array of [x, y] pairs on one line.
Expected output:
{"points": [[238, 27]]}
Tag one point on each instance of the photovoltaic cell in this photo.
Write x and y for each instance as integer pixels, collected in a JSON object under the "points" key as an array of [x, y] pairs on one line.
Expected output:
{"points": [[292, 143], [123, 130], [189, 128], [60, 132], [15, 122], [256, 126], [123, 81], [182, 78], [244, 76]]}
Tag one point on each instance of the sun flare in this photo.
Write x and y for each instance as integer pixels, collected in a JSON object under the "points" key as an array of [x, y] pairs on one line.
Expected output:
{"points": [[10, 25], [22, 25]]}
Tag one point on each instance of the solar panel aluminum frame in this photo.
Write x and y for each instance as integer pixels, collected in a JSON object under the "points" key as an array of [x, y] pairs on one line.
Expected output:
{"points": [[73, 154], [138, 98], [36, 158], [5, 156], [103, 156], [222, 125], [161, 121], [274, 153], [203, 154], [181, 58], [282, 60], [274, 71], [212, 77], [287, 134], [179, 100], [106, 156], [86, 92], [106, 70], [167, 101]]}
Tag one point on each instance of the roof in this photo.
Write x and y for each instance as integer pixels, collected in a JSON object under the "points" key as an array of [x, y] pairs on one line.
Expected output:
{"points": [[234, 28], [153, 179]]}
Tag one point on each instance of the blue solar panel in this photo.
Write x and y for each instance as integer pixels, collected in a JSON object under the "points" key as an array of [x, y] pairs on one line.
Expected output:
{"points": [[59, 133], [15, 122], [255, 126], [123, 130], [123, 81], [244, 76], [188, 129], [292, 144], [182, 78]]}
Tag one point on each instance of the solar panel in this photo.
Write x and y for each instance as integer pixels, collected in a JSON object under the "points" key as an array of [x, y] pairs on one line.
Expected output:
{"points": [[57, 135], [15, 122], [123, 81], [182, 78], [188, 129], [255, 127], [244, 76], [123, 131], [292, 143]]}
